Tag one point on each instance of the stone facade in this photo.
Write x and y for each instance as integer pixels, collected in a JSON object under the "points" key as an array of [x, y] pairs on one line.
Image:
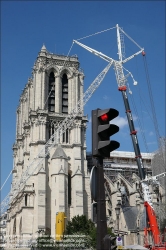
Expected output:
{"points": [[60, 182], [123, 193], [123, 190]]}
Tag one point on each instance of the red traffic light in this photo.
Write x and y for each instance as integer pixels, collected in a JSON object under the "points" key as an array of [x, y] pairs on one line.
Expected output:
{"points": [[102, 130], [104, 117]]}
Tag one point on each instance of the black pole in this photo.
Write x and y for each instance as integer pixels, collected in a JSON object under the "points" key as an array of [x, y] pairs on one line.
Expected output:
{"points": [[101, 208]]}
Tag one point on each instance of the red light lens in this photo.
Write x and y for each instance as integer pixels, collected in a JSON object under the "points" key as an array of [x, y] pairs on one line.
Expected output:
{"points": [[104, 117]]}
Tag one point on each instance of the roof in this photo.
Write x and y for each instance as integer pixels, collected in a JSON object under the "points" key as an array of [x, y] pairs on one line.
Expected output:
{"points": [[59, 153], [130, 215], [127, 154]]}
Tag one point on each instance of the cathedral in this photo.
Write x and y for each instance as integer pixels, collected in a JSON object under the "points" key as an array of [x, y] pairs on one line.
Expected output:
{"points": [[60, 182]]}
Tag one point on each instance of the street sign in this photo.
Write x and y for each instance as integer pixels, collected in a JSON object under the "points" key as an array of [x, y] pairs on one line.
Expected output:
{"points": [[93, 183], [119, 241]]}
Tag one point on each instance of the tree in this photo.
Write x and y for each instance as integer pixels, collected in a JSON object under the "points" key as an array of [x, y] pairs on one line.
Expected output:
{"points": [[79, 230], [79, 224]]}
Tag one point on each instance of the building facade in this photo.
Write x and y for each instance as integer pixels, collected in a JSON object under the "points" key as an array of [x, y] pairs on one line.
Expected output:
{"points": [[60, 182], [124, 199], [125, 205]]}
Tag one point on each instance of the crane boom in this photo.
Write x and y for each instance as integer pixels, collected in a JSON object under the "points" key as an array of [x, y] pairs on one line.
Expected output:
{"points": [[95, 52]]}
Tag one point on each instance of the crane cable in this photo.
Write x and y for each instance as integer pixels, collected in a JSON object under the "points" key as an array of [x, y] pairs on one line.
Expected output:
{"points": [[140, 124], [6, 180], [95, 33], [153, 108]]}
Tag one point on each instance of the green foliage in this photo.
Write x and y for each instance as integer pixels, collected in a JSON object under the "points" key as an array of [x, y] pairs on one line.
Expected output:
{"points": [[93, 236], [79, 231], [79, 224]]}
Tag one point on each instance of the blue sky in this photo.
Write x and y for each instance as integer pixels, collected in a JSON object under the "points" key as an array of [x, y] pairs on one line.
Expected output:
{"points": [[26, 25]]}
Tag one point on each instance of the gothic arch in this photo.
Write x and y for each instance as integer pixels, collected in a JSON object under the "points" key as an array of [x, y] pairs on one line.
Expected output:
{"points": [[53, 69], [66, 71]]}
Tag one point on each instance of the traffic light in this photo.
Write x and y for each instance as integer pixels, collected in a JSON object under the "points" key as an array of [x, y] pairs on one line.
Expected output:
{"points": [[110, 242], [113, 243], [94, 212], [101, 132]]}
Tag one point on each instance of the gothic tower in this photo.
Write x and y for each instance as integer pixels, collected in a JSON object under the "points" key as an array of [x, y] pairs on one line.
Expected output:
{"points": [[60, 183]]}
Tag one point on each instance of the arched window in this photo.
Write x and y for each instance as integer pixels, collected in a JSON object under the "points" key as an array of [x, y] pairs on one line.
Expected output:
{"points": [[26, 199], [66, 136], [64, 94], [51, 130], [51, 93]]}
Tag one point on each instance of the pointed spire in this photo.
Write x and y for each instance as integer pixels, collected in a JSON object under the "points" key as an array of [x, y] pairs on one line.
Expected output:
{"points": [[59, 153], [43, 48]]}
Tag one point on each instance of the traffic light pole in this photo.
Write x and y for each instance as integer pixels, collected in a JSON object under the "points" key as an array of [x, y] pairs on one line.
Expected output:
{"points": [[101, 148], [101, 208]]}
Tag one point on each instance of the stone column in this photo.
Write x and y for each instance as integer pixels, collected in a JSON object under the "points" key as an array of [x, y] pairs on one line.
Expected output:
{"points": [[58, 94], [21, 116], [76, 90], [70, 95]]}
